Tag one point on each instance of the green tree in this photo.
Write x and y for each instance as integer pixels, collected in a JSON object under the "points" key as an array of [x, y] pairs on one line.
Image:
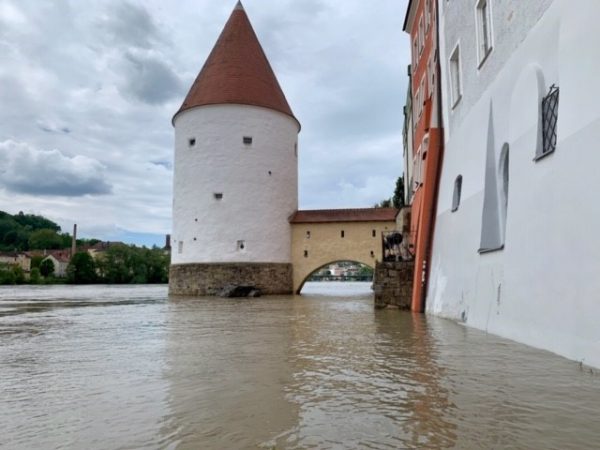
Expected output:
{"points": [[35, 222], [116, 264], [7, 276], [398, 198], [45, 239], [19, 274], [82, 269], [47, 268], [387, 203], [36, 261], [35, 276]]}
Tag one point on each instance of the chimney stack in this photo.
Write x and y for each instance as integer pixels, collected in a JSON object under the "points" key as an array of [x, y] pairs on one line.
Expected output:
{"points": [[74, 242]]}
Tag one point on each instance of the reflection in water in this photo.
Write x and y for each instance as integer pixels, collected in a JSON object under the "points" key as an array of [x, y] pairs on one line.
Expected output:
{"points": [[126, 367]]}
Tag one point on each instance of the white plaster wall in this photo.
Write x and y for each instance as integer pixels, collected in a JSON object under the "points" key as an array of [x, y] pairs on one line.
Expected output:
{"points": [[511, 22], [542, 289], [255, 205]]}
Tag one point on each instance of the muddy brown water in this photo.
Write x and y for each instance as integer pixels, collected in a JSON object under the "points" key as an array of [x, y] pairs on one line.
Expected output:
{"points": [[126, 367]]}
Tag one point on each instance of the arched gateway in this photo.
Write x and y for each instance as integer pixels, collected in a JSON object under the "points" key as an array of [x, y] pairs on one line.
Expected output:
{"points": [[320, 237]]}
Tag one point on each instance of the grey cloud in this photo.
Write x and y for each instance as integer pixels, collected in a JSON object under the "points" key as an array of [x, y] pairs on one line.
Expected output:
{"points": [[131, 25], [149, 79], [28, 170]]}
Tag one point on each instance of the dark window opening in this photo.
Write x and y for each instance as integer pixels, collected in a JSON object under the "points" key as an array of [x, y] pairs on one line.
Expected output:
{"points": [[457, 193], [241, 245], [342, 233], [308, 235], [218, 195], [247, 140], [192, 142], [270, 173], [306, 253], [374, 233]]}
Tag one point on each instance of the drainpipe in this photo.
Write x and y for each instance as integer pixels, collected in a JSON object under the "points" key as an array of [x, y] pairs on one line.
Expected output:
{"points": [[431, 230]]}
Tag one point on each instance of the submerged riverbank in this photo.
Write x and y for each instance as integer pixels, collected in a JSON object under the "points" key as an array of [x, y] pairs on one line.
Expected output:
{"points": [[104, 367]]}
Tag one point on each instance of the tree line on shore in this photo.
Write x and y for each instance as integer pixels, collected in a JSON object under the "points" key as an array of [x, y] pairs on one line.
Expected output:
{"points": [[118, 264]]}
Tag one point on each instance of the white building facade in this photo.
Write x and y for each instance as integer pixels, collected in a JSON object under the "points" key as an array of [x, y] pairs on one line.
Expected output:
{"points": [[515, 247]]}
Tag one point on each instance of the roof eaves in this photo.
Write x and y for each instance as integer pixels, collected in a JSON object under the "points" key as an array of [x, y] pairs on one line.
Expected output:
{"points": [[408, 17]]}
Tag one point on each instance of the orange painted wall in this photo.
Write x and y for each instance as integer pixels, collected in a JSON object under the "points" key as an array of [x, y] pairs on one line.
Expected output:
{"points": [[425, 196]]}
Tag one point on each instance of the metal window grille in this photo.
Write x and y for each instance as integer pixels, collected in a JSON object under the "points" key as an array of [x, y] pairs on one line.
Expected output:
{"points": [[549, 120]]}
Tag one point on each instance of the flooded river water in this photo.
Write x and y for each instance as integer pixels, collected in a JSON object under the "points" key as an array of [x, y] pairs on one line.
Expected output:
{"points": [[126, 367]]}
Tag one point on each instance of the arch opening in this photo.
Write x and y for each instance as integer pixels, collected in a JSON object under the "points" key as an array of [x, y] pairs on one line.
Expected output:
{"points": [[340, 271]]}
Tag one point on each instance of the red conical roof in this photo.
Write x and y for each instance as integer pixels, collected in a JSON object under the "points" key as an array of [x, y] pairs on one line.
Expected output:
{"points": [[237, 71]]}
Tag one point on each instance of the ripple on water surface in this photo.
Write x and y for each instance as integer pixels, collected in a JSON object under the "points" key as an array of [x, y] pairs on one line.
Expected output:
{"points": [[102, 367]]}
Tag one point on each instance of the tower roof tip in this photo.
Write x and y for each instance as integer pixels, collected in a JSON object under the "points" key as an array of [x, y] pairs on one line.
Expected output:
{"points": [[238, 6]]}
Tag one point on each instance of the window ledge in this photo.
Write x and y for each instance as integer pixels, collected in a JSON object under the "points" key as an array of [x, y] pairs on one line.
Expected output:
{"points": [[482, 251], [542, 155], [485, 57]]}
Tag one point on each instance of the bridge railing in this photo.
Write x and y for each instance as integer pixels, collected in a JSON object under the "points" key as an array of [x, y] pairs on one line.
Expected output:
{"points": [[395, 246]]}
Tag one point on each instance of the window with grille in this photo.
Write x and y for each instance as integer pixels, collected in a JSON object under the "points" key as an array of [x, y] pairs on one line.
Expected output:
{"points": [[549, 121]]}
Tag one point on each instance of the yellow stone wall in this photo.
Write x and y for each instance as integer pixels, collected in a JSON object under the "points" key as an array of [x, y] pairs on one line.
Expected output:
{"points": [[326, 245]]}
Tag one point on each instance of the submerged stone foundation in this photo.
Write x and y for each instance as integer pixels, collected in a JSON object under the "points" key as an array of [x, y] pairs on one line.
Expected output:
{"points": [[392, 284], [210, 279]]}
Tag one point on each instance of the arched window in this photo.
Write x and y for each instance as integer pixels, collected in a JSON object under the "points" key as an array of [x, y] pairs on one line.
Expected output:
{"points": [[457, 193]]}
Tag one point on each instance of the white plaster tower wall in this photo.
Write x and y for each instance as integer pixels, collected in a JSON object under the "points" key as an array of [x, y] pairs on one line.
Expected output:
{"points": [[236, 172], [258, 182]]}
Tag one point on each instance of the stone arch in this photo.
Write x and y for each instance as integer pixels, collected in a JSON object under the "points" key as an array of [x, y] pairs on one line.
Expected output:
{"points": [[308, 272]]}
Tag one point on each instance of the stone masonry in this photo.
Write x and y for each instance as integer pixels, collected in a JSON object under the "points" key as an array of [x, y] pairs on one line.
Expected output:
{"points": [[393, 284], [209, 279]]}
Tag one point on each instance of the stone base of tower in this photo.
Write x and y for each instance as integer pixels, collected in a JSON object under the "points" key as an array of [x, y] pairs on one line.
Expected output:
{"points": [[209, 279]]}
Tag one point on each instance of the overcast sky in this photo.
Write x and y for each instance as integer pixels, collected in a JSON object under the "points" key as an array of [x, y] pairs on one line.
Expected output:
{"points": [[88, 89]]}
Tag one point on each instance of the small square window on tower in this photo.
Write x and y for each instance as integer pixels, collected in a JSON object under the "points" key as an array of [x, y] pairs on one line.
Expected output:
{"points": [[218, 195], [192, 142], [248, 140], [241, 245]]}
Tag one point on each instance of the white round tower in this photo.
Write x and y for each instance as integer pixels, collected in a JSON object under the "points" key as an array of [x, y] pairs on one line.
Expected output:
{"points": [[235, 173]]}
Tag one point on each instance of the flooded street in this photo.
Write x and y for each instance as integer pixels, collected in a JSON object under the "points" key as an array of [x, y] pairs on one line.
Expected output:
{"points": [[127, 367]]}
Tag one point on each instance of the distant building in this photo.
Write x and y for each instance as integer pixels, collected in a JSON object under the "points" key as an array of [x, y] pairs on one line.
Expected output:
{"points": [[21, 260], [61, 259]]}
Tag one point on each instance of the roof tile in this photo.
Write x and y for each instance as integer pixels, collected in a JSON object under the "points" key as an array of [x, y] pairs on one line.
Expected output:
{"points": [[237, 71], [345, 215]]}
